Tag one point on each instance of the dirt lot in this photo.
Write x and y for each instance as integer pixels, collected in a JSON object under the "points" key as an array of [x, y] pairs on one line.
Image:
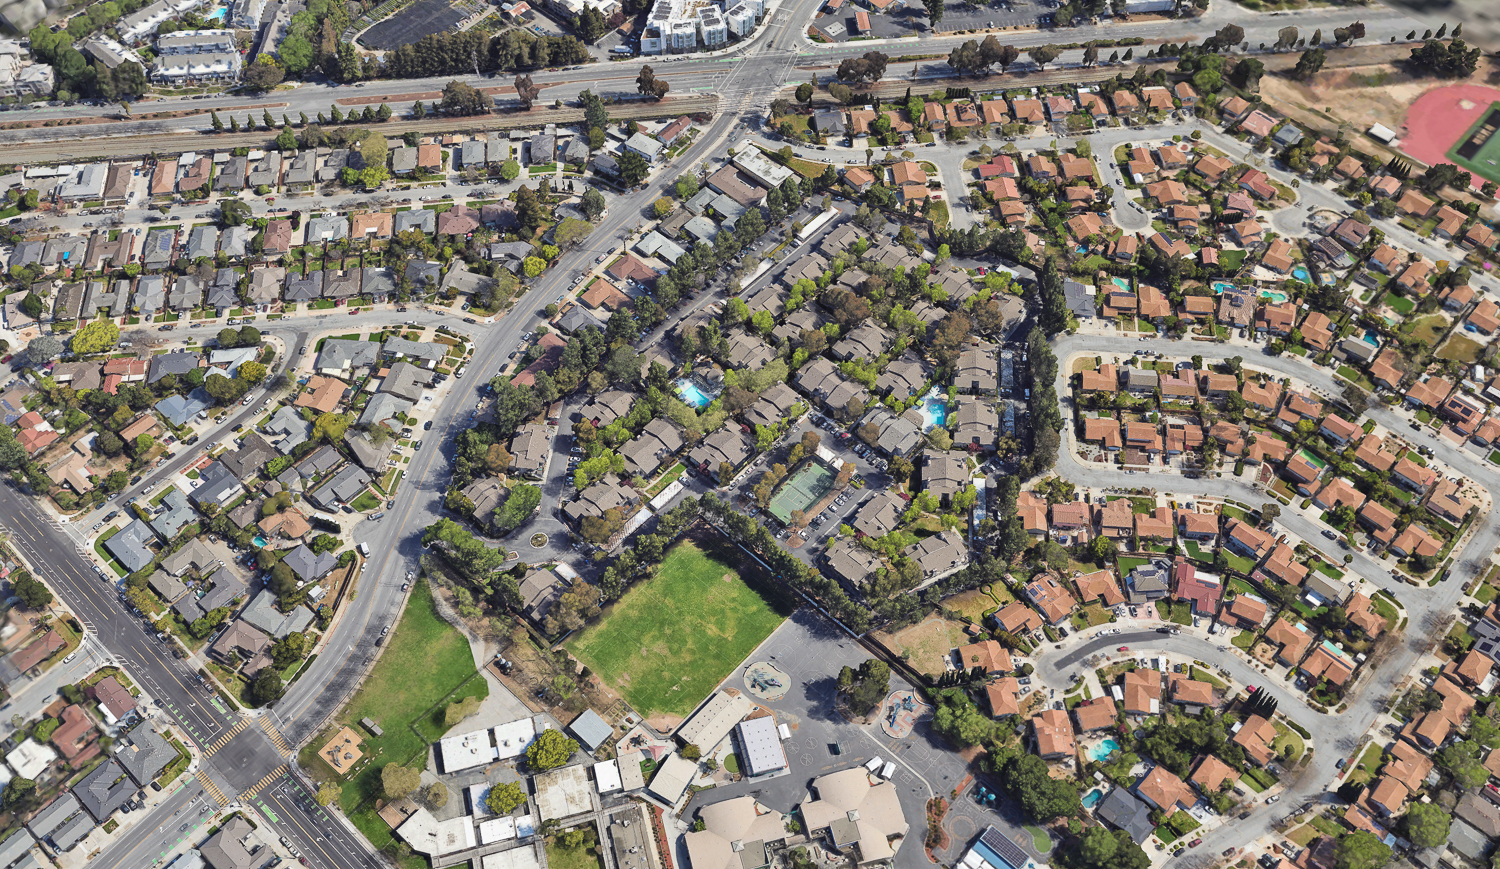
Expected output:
{"points": [[928, 643], [1364, 95]]}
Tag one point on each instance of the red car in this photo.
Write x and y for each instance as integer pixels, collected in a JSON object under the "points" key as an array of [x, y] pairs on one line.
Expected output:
{"points": [[1123, 649], [1195, 843]]}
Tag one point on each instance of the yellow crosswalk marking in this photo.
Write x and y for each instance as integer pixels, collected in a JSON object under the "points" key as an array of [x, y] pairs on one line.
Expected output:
{"points": [[261, 785], [212, 789], [228, 735], [274, 734]]}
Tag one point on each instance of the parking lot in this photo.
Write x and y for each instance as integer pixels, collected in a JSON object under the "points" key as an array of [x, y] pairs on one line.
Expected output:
{"points": [[912, 19]]}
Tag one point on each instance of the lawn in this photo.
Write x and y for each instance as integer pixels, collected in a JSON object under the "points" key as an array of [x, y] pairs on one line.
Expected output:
{"points": [[1461, 349], [1179, 611], [366, 502], [1287, 740], [1093, 614], [1126, 565], [1243, 640], [584, 855], [1041, 840], [1239, 562], [1260, 776], [1400, 304], [1367, 765], [670, 641], [408, 710]]}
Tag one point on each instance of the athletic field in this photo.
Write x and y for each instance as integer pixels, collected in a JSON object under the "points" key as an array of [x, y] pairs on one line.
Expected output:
{"points": [[801, 491], [672, 639], [1478, 149]]}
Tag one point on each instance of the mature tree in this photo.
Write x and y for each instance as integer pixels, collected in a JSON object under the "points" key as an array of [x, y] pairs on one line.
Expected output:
{"points": [[591, 24], [1442, 175], [518, 507], [462, 99], [398, 780], [1427, 825], [647, 83], [264, 74], [1007, 55], [595, 114], [31, 591], [868, 67], [328, 793], [934, 11], [1247, 74], [95, 337], [549, 750], [1054, 316], [1452, 60], [1309, 63], [505, 798], [509, 170], [267, 687], [1043, 55], [633, 168], [1360, 850], [1099, 848], [42, 349], [804, 93], [526, 91], [592, 204]]}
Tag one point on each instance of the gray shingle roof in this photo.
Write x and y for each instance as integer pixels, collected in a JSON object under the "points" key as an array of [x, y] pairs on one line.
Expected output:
{"points": [[144, 754]]}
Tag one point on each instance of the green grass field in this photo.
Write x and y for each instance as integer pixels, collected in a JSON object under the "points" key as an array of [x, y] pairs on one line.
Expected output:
{"points": [[409, 710], [671, 640], [1486, 162]]}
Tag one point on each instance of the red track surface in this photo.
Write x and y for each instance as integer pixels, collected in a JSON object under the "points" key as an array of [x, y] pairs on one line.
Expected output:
{"points": [[1439, 117]]}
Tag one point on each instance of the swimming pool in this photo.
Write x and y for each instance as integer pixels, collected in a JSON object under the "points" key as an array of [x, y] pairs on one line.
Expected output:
{"points": [[1274, 296], [687, 389], [1312, 459], [1372, 338], [1221, 286], [259, 541], [934, 412], [218, 14], [1103, 750], [1122, 284], [1092, 798], [1301, 274]]}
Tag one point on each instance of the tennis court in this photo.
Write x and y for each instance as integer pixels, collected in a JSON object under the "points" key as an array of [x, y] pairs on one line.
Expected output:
{"points": [[1479, 149], [801, 491]]}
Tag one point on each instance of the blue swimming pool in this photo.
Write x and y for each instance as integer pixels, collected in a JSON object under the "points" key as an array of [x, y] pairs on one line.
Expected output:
{"points": [[1122, 284], [259, 541], [1221, 286], [1103, 750], [1092, 798], [218, 14], [1301, 274], [688, 390], [1372, 337], [934, 412]]}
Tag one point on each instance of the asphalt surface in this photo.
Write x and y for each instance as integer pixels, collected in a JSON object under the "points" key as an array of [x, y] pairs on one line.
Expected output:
{"points": [[777, 55]]}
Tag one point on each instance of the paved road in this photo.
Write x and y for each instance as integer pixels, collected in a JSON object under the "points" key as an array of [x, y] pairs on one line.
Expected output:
{"points": [[765, 62], [1424, 605]]}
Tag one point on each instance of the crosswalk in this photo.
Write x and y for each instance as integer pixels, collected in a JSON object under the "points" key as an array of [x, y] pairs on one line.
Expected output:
{"points": [[226, 737], [210, 788], [275, 735], [261, 785]]}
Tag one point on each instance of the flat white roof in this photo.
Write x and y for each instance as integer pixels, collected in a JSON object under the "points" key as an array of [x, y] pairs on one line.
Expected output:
{"points": [[30, 759], [512, 739], [497, 830], [607, 776], [761, 745], [466, 750], [562, 793], [523, 857]]}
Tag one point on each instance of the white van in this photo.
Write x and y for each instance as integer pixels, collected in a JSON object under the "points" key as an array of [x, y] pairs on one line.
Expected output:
{"points": [[364, 549]]}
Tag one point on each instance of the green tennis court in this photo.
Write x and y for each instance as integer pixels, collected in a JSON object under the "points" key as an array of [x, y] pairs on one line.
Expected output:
{"points": [[801, 491]]}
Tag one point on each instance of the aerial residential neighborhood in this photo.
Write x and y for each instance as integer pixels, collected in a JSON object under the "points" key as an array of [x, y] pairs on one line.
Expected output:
{"points": [[749, 435]]}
